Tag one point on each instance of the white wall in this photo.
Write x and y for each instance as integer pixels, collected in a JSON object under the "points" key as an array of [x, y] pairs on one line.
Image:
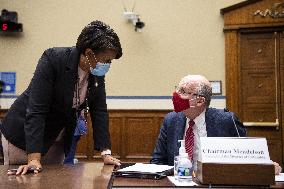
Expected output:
{"points": [[180, 37]]}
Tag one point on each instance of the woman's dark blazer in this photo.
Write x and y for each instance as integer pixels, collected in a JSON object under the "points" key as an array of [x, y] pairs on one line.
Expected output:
{"points": [[39, 114]]}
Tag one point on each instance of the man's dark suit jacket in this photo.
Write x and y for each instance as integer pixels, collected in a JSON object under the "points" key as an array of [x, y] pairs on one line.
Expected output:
{"points": [[39, 114], [219, 123]]}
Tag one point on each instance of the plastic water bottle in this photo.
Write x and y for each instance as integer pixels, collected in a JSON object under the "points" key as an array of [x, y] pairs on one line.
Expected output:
{"points": [[182, 164]]}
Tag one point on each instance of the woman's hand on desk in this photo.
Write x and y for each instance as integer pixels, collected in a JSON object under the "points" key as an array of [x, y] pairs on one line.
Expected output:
{"points": [[108, 159], [34, 166], [277, 168]]}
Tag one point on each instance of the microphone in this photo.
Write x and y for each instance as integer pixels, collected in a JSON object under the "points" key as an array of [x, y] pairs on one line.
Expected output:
{"points": [[231, 114]]}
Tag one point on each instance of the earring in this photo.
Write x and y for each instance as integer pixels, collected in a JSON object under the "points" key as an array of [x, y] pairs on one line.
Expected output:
{"points": [[87, 61], [95, 57]]}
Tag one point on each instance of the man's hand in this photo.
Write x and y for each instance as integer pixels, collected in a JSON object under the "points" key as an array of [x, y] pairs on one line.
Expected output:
{"points": [[277, 168], [109, 160]]}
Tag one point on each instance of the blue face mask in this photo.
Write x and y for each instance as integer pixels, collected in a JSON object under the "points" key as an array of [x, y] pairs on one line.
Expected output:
{"points": [[100, 70]]}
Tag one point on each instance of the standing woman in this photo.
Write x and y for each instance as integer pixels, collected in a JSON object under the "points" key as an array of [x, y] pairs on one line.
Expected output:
{"points": [[39, 126]]}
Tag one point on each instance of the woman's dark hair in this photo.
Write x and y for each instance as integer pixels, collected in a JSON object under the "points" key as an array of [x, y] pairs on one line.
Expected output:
{"points": [[99, 37]]}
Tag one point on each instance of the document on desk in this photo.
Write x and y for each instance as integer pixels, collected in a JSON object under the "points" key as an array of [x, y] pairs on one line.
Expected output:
{"points": [[176, 182], [146, 168], [279, 178]]}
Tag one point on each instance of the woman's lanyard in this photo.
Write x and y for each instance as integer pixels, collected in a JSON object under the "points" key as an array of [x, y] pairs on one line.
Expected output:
{"points": [[78, 104]]}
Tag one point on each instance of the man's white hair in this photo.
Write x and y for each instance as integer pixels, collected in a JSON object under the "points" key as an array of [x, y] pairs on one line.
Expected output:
{"points": [[198, 82], [198, 79]]}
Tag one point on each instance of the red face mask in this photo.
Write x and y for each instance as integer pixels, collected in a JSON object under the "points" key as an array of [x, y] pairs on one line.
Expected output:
{"points": [[179, 103]]}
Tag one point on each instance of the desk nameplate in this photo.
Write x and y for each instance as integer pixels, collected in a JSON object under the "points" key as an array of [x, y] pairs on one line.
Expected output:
{"points": [[235, 174]]}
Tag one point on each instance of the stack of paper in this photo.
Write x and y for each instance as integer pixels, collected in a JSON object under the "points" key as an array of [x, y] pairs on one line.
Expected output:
{"points": [[145, 168]]}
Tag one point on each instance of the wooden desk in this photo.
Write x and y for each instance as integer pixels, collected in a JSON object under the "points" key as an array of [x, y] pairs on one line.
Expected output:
{"points": [[165, 183], [84, 176], [81, 175]]}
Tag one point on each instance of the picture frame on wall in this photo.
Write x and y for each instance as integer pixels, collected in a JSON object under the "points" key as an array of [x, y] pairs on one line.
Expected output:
{"points": [[216, 87]]}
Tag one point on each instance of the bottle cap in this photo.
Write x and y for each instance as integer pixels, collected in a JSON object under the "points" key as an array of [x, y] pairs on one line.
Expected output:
{"points": [[182, 150]]}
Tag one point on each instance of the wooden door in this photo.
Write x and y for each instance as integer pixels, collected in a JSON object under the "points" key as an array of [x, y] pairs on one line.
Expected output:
{"points": [[260, 83]]}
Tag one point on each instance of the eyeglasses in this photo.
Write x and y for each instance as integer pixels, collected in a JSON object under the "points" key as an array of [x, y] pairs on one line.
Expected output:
{"points": [[183, 92]]}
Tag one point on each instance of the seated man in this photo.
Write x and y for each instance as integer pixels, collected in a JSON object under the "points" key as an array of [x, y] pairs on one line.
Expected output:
{"points": [[193, 119]]}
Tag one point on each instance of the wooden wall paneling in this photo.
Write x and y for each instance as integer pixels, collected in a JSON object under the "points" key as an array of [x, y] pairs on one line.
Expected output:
{"points": [[139, 134], [274, 147], [281, 70], [267, 132], [257, 50], [258, 87], [257, 76], [259, 92], [231, 67], [85, 146], [82, 148], [124, 143], [115, 127], [90, 141], [133, 135], [116, 123], [258, 113], [278, 144], [244, 15]]}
